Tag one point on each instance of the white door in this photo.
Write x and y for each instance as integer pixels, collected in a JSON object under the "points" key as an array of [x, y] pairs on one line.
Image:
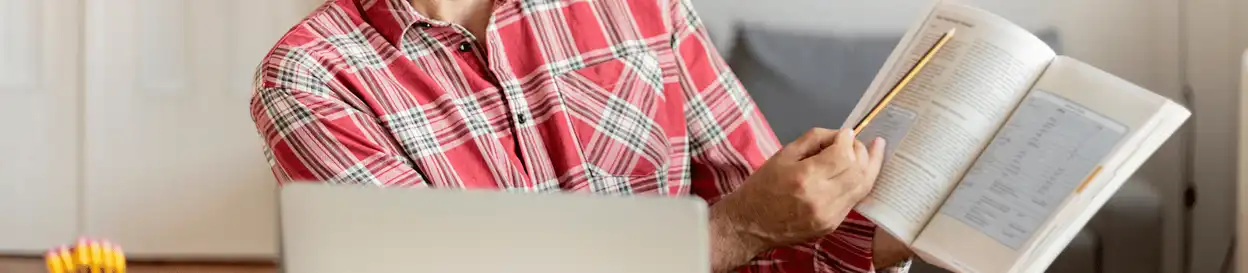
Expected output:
{"points": [[1239, 32], [1213, 35], [39, 118], [173, 165]]}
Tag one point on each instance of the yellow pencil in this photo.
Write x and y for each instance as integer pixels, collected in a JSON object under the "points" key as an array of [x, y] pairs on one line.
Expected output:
{"points": [[918, 66], [55, 265], [106, 258], [97, 256], [68, 259], [119, 260], [82, 254]]}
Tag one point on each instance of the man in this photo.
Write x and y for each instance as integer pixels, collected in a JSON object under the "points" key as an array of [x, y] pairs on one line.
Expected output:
{"points": [[612, 97]]}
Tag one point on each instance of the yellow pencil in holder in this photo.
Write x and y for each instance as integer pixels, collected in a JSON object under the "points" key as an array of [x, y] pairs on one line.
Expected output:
{"points": [[82, 255], [106, 257], [97, 256], [86, 256], [67, 259], [55, 265], [119, 260]]}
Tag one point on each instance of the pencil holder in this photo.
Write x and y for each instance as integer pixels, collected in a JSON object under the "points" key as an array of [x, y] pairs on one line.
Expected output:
{"points": [[86, 255]]}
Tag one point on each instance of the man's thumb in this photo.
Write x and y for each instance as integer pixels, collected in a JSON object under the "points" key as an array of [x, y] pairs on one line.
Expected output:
{"points": [[808, 144]]}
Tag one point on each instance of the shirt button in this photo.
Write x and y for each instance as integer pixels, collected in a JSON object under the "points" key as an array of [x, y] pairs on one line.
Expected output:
{"points": [[424, 25], [521, 118], [465, 47]]}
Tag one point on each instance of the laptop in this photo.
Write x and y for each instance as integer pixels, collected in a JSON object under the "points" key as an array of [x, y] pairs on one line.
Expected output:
{"points": [[336, 228]]}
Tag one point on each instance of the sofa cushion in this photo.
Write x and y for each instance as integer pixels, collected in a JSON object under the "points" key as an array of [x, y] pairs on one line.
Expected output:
{"points": [[803, 81]]}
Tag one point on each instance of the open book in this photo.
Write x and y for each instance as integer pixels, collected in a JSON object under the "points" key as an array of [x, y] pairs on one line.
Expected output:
{"points": [[1000, 151]]}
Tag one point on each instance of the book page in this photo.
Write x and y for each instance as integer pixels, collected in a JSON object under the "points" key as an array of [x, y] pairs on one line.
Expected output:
{"points": [[1038, 158], [1067, 147], [939, 122]]}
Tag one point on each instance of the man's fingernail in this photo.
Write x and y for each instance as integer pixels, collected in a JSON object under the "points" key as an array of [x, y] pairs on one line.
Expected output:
{"points": [[879, 140]]}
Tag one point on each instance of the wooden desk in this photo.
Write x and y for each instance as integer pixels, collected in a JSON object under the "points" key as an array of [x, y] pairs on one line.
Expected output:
{"points": [[36, 265]]}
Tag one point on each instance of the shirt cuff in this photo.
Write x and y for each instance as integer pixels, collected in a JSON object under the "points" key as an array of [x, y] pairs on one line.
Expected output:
{"points": [[902, 267]]}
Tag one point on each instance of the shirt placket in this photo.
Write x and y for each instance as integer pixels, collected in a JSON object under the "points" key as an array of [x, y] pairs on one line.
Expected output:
{"points": [[473, 49], [529, 143], [458, 44]]}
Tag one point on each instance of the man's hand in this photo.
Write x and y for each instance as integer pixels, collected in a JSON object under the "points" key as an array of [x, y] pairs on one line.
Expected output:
{"points": [[804, 191]]}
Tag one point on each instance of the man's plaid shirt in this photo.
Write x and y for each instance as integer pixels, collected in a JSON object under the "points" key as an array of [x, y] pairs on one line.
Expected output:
{"points": [[612, 97]]}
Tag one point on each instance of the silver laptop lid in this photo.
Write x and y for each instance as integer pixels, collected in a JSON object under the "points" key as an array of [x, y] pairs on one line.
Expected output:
{"points": [[333, 229]]}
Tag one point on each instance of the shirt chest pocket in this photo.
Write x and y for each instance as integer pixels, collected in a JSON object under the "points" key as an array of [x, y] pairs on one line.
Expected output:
{"points": [[616, 107]]}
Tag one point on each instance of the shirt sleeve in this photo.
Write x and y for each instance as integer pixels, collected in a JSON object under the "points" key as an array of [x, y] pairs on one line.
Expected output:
{"points": [[312, 135], [729, 139]]}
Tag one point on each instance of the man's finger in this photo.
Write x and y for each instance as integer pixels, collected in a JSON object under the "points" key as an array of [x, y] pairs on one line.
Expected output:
{"points": [[808, 144], [837, 157], [860, 152], [877, 157], [845, 138]]}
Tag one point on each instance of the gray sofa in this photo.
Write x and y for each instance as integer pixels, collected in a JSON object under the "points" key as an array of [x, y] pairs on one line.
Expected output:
{"points": [[802, 79]]}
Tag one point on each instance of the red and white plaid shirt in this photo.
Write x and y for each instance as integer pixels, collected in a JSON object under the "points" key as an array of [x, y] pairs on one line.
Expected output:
{"points": [[613, 97]]}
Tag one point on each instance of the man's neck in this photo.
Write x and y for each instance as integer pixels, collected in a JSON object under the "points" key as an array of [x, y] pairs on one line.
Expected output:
{"points": [[472, 14]]}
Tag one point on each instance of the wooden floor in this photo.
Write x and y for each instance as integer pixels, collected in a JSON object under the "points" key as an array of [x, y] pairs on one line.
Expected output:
{"points": [[34, 265]]}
